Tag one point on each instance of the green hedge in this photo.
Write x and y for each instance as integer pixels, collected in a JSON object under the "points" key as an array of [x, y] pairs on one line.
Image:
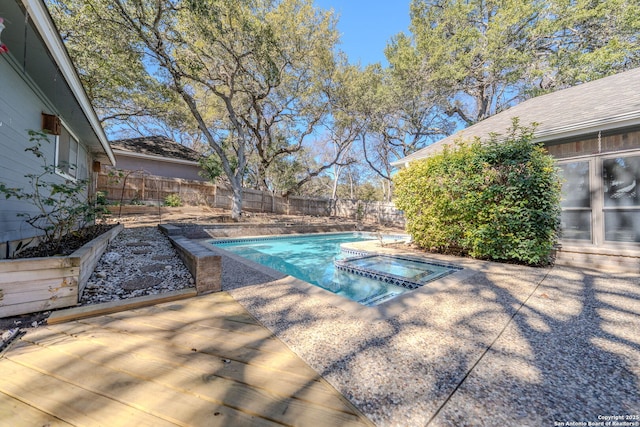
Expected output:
{"points": [[499, 200]]}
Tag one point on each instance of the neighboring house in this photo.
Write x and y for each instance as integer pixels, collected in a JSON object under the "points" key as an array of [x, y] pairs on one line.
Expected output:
{"points": [[593, 130], [40, 89], [157, 155]]}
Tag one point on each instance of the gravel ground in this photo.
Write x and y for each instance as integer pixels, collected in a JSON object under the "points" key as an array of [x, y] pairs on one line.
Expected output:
{"points": [[139, 261], [510, 345]]}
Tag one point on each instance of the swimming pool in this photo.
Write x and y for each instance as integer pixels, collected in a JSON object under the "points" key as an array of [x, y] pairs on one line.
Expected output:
{"points": [[318, 259]]}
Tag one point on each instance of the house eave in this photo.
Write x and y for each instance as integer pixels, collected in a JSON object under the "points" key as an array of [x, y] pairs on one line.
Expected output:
{"points": [[621, 121], [51, 37], [125, 153], [629, 119]]}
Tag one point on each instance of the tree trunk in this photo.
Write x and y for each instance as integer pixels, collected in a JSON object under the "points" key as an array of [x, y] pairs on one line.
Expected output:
{"points": [[336, 175], [236, 203], [351, 192], [236, 199], [386, 190]]}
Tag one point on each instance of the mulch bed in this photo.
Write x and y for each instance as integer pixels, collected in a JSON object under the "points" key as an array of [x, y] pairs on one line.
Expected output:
{"points": [[69, 243]]}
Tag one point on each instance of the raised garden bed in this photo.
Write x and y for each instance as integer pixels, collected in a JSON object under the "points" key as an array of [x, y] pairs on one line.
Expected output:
{"points": [[37, 284]]}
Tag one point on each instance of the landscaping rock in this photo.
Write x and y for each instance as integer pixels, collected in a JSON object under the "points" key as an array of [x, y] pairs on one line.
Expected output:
{"points": [[126, 270]]}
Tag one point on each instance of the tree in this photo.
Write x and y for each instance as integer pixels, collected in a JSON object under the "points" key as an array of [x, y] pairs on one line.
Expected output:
{"points": [[482, 56], [474, 53], [111, 68], [342, 89], [211, 167], [244, 70], [583, 40], [396, 109], [282, 123]]}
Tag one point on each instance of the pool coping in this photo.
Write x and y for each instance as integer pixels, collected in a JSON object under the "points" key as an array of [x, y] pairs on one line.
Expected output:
{"points": [[385, 310]]}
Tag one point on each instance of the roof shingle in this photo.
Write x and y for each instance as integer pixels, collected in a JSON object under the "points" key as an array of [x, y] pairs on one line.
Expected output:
{"points": [[156, 146]]}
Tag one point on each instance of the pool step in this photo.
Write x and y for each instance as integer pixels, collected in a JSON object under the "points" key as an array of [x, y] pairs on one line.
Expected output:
{"points": [[379, 298]]}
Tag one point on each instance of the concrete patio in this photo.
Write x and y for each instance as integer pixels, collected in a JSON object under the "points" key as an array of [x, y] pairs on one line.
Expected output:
{"points": [[500, 345]]}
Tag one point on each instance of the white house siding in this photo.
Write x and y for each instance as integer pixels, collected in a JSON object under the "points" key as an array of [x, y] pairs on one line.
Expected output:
{"points": [[21, 106]]}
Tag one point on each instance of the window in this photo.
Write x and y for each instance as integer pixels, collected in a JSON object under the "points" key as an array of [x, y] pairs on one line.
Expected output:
{"points": [[66, 153], [620, 176], [601, 197], [576, 200]]}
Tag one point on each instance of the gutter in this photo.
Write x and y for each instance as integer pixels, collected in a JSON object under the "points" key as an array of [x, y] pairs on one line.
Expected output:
{"points": [[125, 153], [49, 33], [631, 118]]}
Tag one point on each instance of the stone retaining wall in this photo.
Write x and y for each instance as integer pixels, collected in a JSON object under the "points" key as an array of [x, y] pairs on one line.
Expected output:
{"points": [[204, 266]]}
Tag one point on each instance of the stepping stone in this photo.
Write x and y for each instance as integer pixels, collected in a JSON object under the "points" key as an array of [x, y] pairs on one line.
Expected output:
{"points": [[162, 257], [150, 268], [141, 282]]}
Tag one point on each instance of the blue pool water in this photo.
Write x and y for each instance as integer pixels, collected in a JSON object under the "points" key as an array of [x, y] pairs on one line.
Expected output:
{"points": [[369, 281]]}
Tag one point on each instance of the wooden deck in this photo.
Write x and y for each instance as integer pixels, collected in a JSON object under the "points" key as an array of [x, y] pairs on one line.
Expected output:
{"points": [[199, 362]]}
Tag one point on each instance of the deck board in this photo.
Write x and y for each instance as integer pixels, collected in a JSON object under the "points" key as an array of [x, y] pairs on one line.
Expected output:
{"points": [[146, 392], [17, 414], [98, 350], [69, 402], [202, 361]]}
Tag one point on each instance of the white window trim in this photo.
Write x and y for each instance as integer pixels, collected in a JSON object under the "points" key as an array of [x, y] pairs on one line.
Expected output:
{"points": [[592, 181], [59, 171]]}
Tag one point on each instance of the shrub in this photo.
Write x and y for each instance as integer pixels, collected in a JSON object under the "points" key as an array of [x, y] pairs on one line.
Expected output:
{"points": [[498, 200], [173, 200], [136, 201], [101, 198]]}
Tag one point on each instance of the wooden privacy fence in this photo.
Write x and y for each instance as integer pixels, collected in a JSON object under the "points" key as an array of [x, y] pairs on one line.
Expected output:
{"points": [[138, 187], [150, 189]]}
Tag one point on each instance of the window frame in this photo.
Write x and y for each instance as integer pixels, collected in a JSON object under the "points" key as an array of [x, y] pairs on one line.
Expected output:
{"points": [[72, 164], [591, 208], [598, 208], [604, 208]]}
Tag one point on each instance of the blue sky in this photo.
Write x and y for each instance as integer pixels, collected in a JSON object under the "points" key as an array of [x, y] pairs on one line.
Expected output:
{"points": [[367, 25]]}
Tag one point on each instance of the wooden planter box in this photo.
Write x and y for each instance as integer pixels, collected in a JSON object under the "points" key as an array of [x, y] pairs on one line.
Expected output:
{"points": [[38, 284]]}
